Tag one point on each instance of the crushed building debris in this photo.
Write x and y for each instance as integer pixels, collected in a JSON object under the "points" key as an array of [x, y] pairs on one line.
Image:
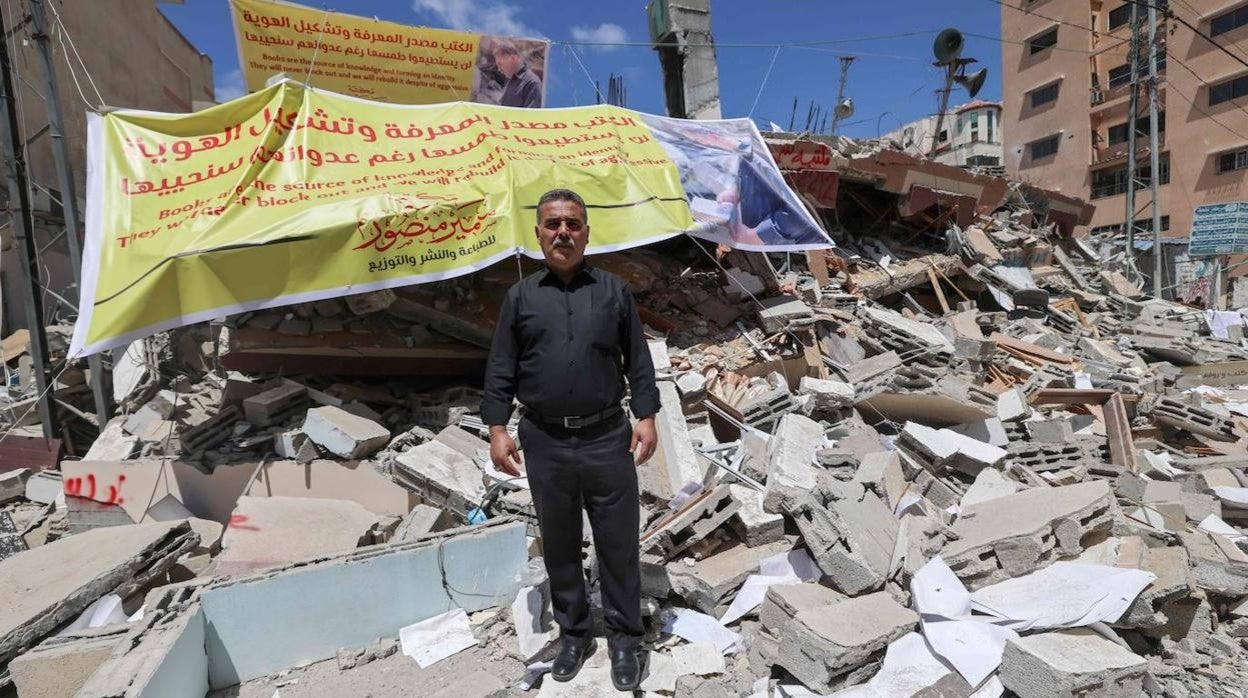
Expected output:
{"points": [[960, 393]]}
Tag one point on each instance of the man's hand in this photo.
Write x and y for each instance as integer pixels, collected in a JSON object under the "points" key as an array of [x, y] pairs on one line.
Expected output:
{"points": [[645, 438], [503, 451]]}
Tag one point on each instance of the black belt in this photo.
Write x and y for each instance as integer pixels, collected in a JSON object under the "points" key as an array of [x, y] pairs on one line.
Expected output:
{"points": [[576, 422]]}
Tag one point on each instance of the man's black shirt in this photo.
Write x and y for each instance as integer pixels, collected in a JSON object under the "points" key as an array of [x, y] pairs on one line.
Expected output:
{"points": [[564, 351], [523, 89]]}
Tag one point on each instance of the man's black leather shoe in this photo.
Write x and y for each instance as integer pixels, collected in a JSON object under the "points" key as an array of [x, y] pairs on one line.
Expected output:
{"points": [[572, 657], [626, 669]]}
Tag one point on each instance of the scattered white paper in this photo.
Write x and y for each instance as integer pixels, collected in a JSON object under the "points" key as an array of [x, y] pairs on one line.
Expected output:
{"points": [[909, 667], [434, 639], [534, 673], [1083, 381], [106, 610], [972, 645], [699, 627], [1214, 524], [752, 593], [1232, 495], [1063, 595]]}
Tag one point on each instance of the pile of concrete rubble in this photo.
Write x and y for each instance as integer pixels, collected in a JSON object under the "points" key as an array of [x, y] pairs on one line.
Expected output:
{"points": [[941, 460]]}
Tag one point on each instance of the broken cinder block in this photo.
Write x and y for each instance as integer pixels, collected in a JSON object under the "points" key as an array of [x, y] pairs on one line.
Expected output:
{"points": [[850, 533], [343, 433], [1076, 662]]}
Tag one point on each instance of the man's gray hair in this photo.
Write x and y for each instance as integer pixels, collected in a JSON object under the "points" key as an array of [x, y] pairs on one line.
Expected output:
{"points": [[505, 47], [562, 195]]}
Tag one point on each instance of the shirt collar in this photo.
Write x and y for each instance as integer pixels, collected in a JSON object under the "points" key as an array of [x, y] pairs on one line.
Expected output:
{"points": [[583, 272]]}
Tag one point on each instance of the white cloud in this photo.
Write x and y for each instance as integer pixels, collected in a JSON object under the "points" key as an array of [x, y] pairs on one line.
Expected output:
{"points": [[606, 33], [481, 16], [229, 86]]}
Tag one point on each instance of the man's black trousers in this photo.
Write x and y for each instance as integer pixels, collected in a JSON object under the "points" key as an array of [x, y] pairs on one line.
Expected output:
{"points": [[591, 468]]}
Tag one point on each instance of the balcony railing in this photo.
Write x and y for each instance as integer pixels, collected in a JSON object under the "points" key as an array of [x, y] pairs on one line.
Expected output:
{"points": [[1118, 151]]}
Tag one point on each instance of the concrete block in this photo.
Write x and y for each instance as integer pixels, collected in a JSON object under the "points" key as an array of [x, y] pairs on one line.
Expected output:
{"points": [[989, 431], [441, 476], [674, 462], [942, 450], [698, 658], [791, 471], [851, 535], [783, 602], [344, 434], [754, 456], [13, 484], [828, 395], [692, 386], [1010, 536], [421, 520], [1012, 406], [1218, 566], [989, 484], [275, 404], [700, 516], [776, 313], [752, 523], [1171, 567], [1052, 431], [1068, 663], [881, 472], [61, 665], [707, 583], [822, 644], [295, 445], [113, 443], [44, 487], [742, 283]]}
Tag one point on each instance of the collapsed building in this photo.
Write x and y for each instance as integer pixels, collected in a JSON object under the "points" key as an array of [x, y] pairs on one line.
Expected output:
{"points": [[957, 429]]}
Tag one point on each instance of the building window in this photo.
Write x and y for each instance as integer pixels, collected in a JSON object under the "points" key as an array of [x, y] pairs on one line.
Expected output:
{"points": [[1045, 40], [1226, 91], [1119, 16], [1044, 148], [959, 126], [1142, 225], [991, 117], [1120, 75], [944, 136], [1233, 19], [1112, 182], [983, 161], [1118, 134], [1234, 160], [974, 128], [1043, 95]]}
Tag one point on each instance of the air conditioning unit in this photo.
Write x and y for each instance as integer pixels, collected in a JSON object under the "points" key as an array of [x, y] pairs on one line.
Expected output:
{"points": [[1097, 97]]}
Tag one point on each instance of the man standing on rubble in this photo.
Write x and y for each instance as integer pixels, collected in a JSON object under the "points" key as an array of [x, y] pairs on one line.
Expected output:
{"points": [[566, 339]]}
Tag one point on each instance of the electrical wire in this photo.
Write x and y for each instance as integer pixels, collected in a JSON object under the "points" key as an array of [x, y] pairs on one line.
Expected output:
{"points": [[766, 77], [1170, 14], [716, 44], [86, 71]]}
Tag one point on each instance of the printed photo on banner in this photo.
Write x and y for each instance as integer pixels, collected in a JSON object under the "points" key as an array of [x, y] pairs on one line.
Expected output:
{"points": [[736, 194], [510, 72]]}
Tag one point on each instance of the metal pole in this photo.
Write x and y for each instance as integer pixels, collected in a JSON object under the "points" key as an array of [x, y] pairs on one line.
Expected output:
{"points": [[69, 190], [950, 68], [840, 92], [1133, 110], [1153, 145], [19, 217]]}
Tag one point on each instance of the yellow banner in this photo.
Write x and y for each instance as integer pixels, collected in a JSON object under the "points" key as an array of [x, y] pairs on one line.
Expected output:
{"points": [[385, 61], [294, 194]]}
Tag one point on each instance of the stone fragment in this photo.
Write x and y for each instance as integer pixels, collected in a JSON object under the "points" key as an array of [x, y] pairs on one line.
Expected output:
{"points": [[942, 450], [674, 462], [1012, 406], [421, 520], [707, 583], [1218, 566], [344, 434], [697, 519], [13, 484], [44, 487], [61, 665], [828, 395], [776, 313], [989, 484], [275, 404], [443, 477], [699, 658], [1074, 662], [819, 645]]}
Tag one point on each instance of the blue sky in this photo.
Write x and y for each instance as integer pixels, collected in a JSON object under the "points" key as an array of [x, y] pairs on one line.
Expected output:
{"points": [[892, 80]]}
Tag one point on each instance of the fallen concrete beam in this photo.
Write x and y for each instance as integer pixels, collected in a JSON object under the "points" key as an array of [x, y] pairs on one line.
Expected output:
{"points": [[791, 472], [1013, 535], [269, 622], [53, 583], [875, 283]]}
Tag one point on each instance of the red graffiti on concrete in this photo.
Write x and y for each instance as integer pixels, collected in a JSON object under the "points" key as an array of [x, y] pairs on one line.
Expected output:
{"points": [[111, 494]]}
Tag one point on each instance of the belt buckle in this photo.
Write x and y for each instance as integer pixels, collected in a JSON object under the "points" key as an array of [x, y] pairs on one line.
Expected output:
{"points": [[572, 422]]}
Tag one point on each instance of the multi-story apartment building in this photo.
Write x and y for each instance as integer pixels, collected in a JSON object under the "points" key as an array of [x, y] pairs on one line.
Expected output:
{"points": [[969, 137], [1066, 83]]}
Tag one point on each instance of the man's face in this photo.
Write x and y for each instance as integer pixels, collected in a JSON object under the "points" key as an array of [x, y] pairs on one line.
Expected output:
{"points": [[562, 234], [509, 63]]}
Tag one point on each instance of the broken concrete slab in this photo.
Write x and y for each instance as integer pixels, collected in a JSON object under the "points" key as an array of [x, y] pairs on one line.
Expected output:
{"points": [[707, 583], [943, 450], [820, 645], [420, 521], [268, 532], [850, 533], [1218, 566], [13, 484], [442, 477], [674, 462], [473, 568], [344, 434], [689, 525], [113, 443], [1071, 662], [53, 583], [44, 487], [1013, 535], [777, 312], [989, 484], [784, 601], [791, 471], [829, 395], [61, 665], [275, 404]]}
